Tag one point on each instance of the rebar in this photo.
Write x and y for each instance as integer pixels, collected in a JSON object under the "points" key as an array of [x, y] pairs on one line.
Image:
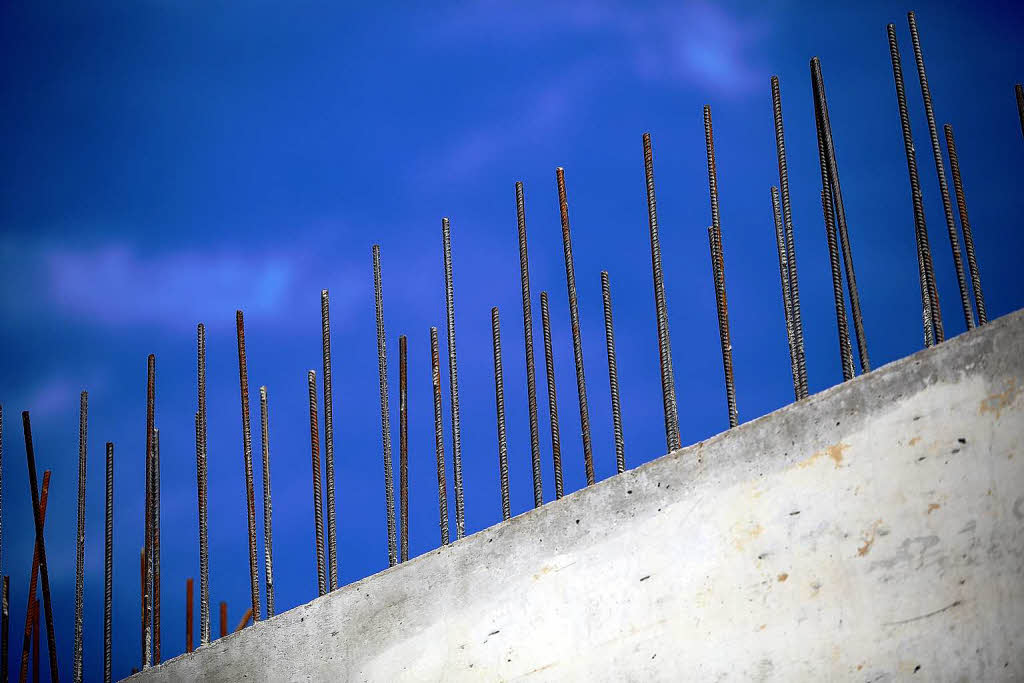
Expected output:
{"points": [[188, 615], [83, 419], [1018, 90], [332, 543], [613, 374], [201, 489], [223, 619], [965, 225], [156, 546], [36, 669], [531, 372], [931, 313], [5, 628], [549, 365], [668, 382], [142, 601], [108, 567], [147, 591], [403, 447], [44, 575], [787, 304], [385, 412], [3, 673], [442, 481], [574, 320], [793, 308], [26, 642], [250, 495], [836, 196], [268, 542], [940, 170], [499, 404], [318, 512], [453, 379]]}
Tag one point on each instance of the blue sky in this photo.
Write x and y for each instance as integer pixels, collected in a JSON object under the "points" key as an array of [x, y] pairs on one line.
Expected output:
{"points": [[166, 163]]}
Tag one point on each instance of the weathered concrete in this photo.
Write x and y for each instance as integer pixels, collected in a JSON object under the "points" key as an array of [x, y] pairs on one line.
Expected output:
{"points": [[867, 533]]}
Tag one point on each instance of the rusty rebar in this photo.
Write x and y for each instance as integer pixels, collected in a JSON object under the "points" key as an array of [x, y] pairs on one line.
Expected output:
{"points": [[787, 304], [223, 619], [385, 411], [142, 601], [332, 544], [940, 170], [318, 511], [36, 669], [793, 308], [44, 574], [83, 420], [453, 379], [574, 320], [442, 481], [403, 448], [156, 546], [250, 495], [108, 567], [201, 489], [1018, 90], [931, 312], [613, 374], [188, 615], [268, 541], [5, 628], [499, 404], [244, 621], [668, 382], [836, 196], [965, 225], [531, 372], [549, 365], [26, 642], [147, 592]]}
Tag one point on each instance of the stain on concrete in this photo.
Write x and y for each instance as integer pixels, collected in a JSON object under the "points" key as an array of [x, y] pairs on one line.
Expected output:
{"points": [[835, 452], [869, 538], [783, 576], [914, 441], [932, 507], [996, 403]]}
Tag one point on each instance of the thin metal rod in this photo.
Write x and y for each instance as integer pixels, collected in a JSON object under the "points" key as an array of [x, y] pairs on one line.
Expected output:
{"points": [[531, 372], [83, 420], [318, 512], [965, 225], [3, 674], [44, 574], [142, 601], [940, 170], [549, 365], [332, 543], [147, 593], [156, 546], [793, 315], [668, 382], [268, 535], [5, 628], [201, 489], [108, 567], [250, 495], [403, 446], [385, 412], [453, 379], [223, 619], [36, 669], [836, 196], [613, 374], [26, 642], [787, 304], [1018, 90], [442, 481], [574, 320], [931, 313], [245, 620], [188, 615], [499, 404]]}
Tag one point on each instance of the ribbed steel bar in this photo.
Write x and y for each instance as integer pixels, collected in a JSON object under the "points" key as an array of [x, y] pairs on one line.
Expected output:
{"points": [[531, 371], [839, 212], [668, 382], [44, 574], [442, 481], [223, 619], [156, 546], [108, 567], [332, 542], [83, 420], [940, 170], [318, 510], [268, 535], [453, 379], [201, 489], [787, 304], [142, 602], [931, 315], [613, 374], [549, 365], [26, 642], [188, 614], [574, 320], [403, 447], [793, 311], [147, 591], [36, 669], [385, 412], [499, 405], [5, 628], [965, 225], [1018, 90], [250, 494]]}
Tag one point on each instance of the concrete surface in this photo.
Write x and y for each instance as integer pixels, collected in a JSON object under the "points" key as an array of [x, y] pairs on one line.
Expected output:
{"points": [[872, 532]]}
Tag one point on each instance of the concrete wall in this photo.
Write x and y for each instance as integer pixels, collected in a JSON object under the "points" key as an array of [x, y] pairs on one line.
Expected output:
{"points": [[872, 532]]}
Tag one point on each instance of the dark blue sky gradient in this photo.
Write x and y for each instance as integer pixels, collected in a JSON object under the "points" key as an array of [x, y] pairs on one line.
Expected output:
{"points": [[165, 163]]}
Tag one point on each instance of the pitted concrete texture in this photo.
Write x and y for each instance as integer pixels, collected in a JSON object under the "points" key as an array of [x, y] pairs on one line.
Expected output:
{"points": [[873, 532]]}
